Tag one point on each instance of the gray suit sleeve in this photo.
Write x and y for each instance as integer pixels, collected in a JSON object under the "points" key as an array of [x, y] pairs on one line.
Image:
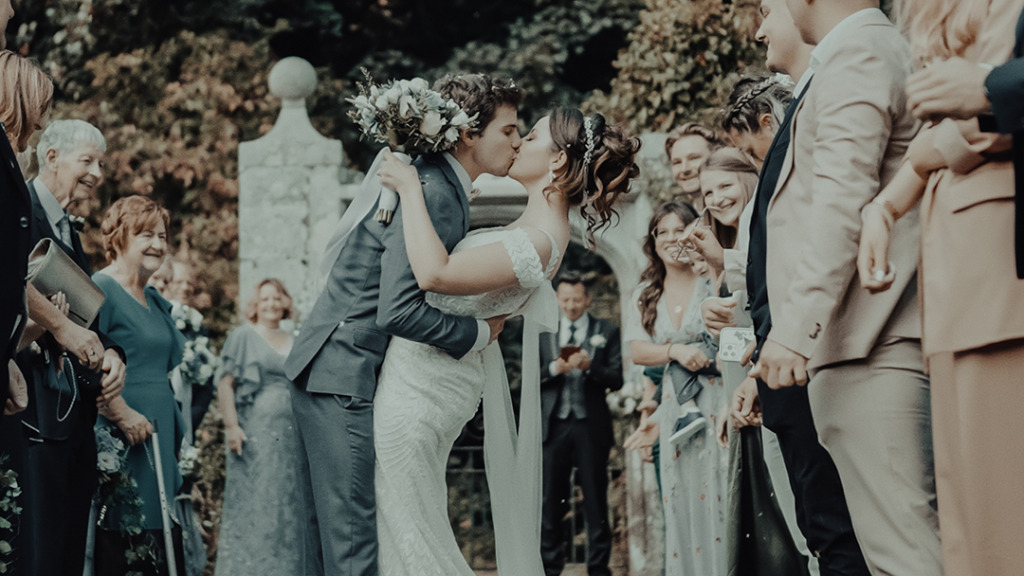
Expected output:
{"points": [[402, 310]]}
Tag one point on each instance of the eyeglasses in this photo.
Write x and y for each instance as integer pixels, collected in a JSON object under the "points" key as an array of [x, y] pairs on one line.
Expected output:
{"points": [[662, 233]]}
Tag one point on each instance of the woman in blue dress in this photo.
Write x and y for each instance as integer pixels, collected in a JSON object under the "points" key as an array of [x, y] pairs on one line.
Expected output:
{"points": [[265, 501], [138, 319], [670, 329]]}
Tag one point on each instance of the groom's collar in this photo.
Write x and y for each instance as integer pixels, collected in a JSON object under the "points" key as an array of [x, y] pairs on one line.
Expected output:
{"points": [[460, 173]]}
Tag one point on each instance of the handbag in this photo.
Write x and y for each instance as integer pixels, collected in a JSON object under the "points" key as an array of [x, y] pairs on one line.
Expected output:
{"points": [[759, 542], [51, 270]]}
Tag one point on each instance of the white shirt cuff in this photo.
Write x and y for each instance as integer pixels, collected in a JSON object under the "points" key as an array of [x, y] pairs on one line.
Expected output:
{"points": [[551, 369], [483, 336]]}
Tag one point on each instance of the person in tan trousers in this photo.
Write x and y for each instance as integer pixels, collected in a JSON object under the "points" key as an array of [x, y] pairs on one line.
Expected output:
{"points": [[861, 352], [973, 302]]}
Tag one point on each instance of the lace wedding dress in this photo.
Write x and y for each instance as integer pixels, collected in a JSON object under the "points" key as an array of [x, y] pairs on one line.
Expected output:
{"points": [[425, 397]]}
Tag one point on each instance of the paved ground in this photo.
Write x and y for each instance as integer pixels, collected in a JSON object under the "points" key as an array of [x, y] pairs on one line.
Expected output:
{"points": [[570, 570]]}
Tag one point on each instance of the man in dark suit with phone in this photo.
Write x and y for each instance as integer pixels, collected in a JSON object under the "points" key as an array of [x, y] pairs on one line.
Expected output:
{"points": [[579, 365]]}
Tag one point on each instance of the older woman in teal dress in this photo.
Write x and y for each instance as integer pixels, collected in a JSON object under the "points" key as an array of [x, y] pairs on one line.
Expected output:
{"points": [[265, 501], [138, 318]]}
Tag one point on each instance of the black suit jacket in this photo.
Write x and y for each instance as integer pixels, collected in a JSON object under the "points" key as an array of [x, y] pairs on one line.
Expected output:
{"points": [[1005, 88], [605, 374], [757, 247], [50, 395], [15, 243]]}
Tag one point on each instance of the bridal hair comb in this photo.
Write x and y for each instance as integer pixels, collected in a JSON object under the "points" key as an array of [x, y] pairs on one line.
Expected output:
{"points": [[588, 129]]}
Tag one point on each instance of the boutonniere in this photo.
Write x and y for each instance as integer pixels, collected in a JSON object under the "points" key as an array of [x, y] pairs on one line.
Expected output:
{"points": [[598, 341], [77, 222]]}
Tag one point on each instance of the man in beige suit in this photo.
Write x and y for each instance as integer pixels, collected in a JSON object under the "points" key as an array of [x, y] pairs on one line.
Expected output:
{"points": [[869, 396]]}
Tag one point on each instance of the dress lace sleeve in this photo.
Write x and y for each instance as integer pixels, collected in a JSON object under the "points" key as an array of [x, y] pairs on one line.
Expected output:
{"points": [[530, 271]]}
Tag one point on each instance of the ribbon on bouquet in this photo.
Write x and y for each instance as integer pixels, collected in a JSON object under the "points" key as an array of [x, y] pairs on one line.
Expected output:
{"points": [[512, 458], [371, 192]]}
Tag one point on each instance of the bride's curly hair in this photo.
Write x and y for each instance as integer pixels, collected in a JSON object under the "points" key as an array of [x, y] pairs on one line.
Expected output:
{"points": [[595, 180]]}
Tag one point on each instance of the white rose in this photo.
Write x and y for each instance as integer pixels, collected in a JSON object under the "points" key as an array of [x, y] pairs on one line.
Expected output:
{"points": [[205, 372], [432, 123], [381, 102], [405, 105], [436, 101], [394, 93], [107, 462], [461, 119], [598, 341], [418, 84], [452, 134], [180, 324], [188, 355]]}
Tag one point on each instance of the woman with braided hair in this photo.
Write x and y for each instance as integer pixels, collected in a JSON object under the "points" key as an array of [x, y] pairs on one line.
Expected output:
{"points": [[755, 109], [424, 396]]}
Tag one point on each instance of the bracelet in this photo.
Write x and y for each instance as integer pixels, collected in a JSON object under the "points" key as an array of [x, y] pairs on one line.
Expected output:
{"points": [[669, 351]]}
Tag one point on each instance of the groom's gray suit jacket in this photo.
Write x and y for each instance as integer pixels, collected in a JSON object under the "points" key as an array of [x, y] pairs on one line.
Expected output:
{"points": [[371, 294]]}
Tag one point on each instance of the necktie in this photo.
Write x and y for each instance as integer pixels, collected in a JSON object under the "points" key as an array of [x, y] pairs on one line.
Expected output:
{"points": [[572, 335], [64, 228]]}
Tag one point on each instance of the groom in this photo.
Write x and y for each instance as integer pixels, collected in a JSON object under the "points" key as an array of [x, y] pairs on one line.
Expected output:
{"points": [[371, 295]]}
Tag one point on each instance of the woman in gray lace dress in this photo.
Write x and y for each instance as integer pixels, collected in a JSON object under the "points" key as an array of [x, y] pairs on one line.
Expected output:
{"points": [[263, 498]]}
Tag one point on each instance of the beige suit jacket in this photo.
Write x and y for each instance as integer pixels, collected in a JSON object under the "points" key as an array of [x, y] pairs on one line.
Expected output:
{"points": [[849, 136], [971, 295]]}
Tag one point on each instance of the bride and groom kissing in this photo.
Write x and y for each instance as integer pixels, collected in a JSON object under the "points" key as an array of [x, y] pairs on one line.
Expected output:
{"points": [[397, 352]]}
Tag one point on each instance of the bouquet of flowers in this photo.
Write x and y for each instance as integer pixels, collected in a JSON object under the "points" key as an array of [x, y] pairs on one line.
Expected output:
{"points": [[411, 119], [188, 457], [198, 362], [118, 490]]}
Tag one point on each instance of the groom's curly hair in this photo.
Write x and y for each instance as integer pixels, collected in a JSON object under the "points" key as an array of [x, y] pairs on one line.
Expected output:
{"points": [[480, 94]]}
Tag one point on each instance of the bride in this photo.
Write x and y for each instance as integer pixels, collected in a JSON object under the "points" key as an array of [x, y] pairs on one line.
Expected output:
{"points": [[425, 397]]}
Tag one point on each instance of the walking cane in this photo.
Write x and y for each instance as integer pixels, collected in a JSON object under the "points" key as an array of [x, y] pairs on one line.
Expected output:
{"points": [[172, 568]]}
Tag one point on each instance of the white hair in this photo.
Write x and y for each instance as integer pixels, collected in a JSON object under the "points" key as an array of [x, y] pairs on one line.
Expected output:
{"points": [[64, 135]]}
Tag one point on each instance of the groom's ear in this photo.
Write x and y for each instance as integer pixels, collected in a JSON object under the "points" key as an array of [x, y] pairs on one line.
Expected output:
{"points": [[467, 139]]}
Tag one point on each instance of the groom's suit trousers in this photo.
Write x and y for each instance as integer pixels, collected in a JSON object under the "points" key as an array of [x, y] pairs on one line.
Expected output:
{"points": [[336, 434]]}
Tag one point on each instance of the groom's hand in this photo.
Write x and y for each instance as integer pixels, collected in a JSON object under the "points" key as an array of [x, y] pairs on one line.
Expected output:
{"points": [[496, 324]]}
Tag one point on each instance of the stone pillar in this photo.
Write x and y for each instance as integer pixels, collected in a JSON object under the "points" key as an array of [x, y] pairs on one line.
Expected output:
{"points": [[292, 192]]}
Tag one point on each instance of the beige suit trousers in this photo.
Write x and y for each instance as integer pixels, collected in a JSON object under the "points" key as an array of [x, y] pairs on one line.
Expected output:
{"points": [[874, 418], [979, 458]]}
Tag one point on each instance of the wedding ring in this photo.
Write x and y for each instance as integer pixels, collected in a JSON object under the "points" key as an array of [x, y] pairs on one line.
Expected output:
{"points": [[92, 353]]}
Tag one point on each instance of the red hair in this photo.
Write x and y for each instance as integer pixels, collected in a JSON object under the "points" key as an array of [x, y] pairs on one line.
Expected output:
{"points": [[127, 217]]}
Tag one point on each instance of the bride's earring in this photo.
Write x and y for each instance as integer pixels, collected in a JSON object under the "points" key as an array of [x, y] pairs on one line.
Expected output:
{"points": [[551, 176]]}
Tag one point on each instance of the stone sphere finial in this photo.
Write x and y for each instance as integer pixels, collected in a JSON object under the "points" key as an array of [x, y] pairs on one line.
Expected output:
{"points": [[292, 78]]}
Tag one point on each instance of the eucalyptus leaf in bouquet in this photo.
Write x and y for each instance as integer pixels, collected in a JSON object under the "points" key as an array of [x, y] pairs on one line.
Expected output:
{"points": [[411, 119]]}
